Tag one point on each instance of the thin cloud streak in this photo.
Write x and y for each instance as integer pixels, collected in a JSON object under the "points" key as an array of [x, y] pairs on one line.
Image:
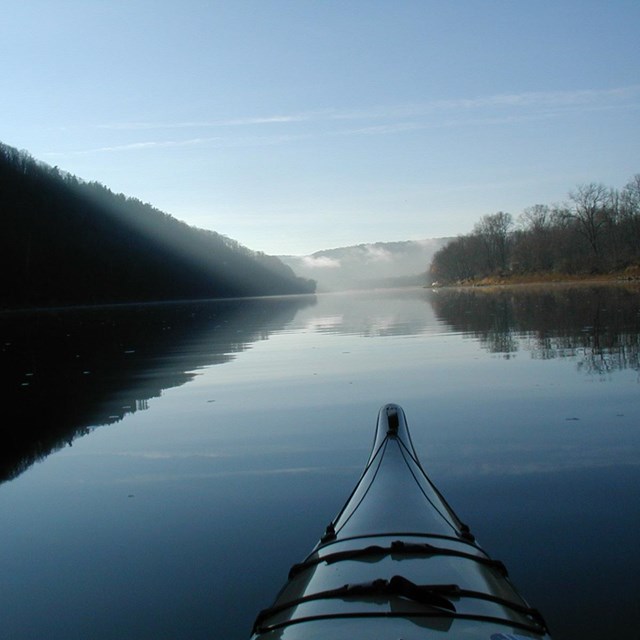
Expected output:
{"points": [[210, 124], [134, 146], [533, 99], [501, 109], [216, 142]]}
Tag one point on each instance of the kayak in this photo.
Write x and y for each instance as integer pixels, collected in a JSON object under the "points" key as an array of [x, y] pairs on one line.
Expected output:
{"points": [[398, 563]]}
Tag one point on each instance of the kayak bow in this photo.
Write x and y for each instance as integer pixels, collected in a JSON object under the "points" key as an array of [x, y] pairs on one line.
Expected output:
{"points": [[397, 562]]}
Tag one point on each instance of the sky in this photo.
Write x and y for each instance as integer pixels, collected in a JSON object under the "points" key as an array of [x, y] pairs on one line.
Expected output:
{"points": [[294, 126]]}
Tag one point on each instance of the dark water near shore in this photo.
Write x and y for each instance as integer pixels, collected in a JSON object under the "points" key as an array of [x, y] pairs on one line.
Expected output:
{"points": [[168, 463]]}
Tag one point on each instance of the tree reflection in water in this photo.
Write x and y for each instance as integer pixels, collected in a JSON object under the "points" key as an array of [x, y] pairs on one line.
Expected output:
{"points": [[549, 322]]}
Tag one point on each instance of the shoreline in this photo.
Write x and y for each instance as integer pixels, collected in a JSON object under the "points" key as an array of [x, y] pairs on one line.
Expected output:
{"points": [[630, 275]]}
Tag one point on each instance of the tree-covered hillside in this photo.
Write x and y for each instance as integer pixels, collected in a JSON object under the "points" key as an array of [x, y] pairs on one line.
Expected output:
{"points": [[65, 241]]}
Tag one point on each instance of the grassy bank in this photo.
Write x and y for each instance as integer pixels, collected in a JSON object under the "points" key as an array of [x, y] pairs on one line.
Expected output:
{"points": [[630, 274]]}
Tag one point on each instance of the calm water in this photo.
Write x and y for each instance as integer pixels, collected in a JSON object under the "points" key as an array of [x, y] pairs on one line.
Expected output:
{"points": [[169, 463]]}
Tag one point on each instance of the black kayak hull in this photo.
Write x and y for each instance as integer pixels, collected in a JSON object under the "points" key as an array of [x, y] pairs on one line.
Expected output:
{"points": [[397, 562]]}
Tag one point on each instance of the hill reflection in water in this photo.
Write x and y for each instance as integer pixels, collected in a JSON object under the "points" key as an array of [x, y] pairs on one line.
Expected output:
{"points": [[67, 371]]}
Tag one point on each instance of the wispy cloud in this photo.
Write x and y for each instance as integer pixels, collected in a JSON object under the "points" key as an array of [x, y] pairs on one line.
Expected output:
{"points": [[134, 146], [277, 129], [215, 141], [529, 99], [151, 144], [524, 100], [210, 124]]}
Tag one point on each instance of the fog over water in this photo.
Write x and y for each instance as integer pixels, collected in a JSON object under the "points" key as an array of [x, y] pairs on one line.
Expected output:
{"points": [[169, 462]]}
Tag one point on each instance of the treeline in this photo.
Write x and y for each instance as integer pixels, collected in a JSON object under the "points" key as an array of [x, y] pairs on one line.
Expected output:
{"points": [[66, 241], [596, 231]]}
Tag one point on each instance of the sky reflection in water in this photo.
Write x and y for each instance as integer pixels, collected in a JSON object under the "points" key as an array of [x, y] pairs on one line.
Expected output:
{"points": [[251, 422]]}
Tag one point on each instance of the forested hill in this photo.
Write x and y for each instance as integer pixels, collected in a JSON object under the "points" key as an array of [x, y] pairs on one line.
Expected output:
{"points": [[65, 241]]}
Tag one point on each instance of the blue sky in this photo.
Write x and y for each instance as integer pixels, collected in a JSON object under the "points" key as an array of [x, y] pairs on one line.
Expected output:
{"points": [[294, 126]]}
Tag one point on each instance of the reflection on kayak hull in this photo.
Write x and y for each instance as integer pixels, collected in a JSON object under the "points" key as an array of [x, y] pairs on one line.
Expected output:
{"points": [[397, 562]]}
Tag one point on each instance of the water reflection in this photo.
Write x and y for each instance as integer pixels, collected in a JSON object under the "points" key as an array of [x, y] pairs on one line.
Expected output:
{"points": [[597, 325], [385, 313], [65, 372], [148, 528]]}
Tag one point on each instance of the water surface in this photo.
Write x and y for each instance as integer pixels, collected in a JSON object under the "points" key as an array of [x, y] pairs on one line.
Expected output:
{"points": [[170, 462]]}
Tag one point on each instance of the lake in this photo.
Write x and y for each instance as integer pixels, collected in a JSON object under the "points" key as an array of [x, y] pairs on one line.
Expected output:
{"points": [[170, 462]]}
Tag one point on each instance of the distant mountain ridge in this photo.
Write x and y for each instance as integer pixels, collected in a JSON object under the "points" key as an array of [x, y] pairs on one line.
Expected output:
{"points": [[64, 241], [367, 266]]}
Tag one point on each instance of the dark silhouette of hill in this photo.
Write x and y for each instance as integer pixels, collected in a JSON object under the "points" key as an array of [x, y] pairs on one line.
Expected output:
{"points": [[64, 241]]}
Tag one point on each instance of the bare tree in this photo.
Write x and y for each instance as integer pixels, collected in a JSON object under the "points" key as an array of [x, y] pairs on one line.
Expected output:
{"points": [[631, 195], [590, 211], [494, 230], [630, 216], [532, 247], [536, 218]]}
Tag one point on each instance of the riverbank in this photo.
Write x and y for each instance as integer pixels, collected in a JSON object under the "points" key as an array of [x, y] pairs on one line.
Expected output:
{"points": [[630, 274]]}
